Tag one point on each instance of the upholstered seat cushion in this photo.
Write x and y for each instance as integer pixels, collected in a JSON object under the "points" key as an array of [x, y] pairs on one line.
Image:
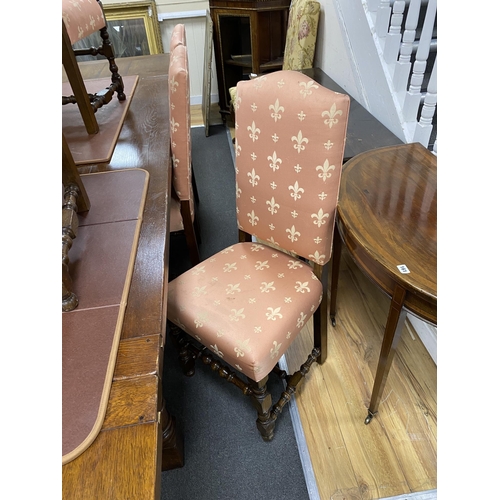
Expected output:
{"points": [[247, 321], [82, 18]]}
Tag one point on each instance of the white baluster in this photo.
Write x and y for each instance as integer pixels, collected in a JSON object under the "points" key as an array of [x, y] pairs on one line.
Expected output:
{"points": [[383, 16], [403, 66], [413, 96], [424, 127], [393, 38], [435, 147]]}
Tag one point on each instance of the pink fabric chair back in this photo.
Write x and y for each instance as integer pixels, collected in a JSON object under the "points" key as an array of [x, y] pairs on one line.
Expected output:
{"points": [[290, 137], [82, 18], [178, 36], [180, 122]]}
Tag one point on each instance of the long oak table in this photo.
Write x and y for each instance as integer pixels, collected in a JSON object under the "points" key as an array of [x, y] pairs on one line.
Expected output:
{"points": [[138, 437]]}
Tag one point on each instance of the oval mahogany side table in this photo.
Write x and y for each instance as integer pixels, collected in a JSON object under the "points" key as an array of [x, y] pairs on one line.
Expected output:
{"points": [[387, 219]]}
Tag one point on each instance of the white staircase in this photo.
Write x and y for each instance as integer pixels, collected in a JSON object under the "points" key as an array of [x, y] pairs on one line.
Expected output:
{"points": [[405, 34]]}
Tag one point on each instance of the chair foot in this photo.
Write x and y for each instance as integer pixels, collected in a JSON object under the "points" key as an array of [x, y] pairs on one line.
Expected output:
{"points": [[262, 402], [266, 429]]}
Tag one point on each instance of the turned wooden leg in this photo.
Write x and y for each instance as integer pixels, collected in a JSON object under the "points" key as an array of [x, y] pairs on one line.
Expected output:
{"points": [[392, 334], [187, 358], [262, 402], [172, 442], [320, 320], [107, 51]]}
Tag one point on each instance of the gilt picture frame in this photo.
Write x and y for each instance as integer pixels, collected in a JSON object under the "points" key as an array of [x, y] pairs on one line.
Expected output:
{"points": [[139, 26], [133, 29]]}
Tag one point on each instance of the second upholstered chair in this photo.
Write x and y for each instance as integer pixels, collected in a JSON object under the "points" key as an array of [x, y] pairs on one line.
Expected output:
{"points": [[182, 200], [301, 34], [247, 303], [81, 18]]}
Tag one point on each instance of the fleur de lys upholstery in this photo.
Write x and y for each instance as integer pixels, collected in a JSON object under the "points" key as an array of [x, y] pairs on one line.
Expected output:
{"points": [[182, 206], [301, 33], [82, 18], [247, 303]]}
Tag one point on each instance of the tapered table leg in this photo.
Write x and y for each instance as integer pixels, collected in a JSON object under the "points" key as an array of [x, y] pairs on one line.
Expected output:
{"points": [[392, 334], [337, 249]]}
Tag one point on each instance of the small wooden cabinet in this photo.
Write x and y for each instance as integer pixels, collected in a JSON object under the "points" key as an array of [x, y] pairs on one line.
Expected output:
{"points": [[249, 37]]}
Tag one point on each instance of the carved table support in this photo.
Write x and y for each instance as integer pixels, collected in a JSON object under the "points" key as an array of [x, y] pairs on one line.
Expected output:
{"points": [[69, 232], [172, 445]]}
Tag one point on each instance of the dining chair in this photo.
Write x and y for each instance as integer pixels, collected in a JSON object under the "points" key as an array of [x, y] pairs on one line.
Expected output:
{"points": [[178, 36], [184, 195], [301, 33], [81, 18], [241, 309]]}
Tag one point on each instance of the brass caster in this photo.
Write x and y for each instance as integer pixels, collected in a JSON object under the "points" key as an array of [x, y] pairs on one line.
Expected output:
{"points": [[369, 417]]}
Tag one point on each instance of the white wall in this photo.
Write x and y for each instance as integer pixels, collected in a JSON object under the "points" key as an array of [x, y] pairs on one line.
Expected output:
{"points": [[347, 53]]}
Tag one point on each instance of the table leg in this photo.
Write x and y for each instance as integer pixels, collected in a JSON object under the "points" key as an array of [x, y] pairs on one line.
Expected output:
{"points": [[392, 334], [173, 444], [335, 265]]}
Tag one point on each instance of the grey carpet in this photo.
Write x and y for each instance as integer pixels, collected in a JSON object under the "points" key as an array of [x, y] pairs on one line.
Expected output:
{"points": [[225, 457]]}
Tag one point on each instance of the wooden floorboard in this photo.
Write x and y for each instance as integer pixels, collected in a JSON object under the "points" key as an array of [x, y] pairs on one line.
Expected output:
{"points": [[396, 454]]}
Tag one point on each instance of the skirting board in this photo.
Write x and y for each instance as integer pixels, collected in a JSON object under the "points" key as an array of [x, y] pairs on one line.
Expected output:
{"points": [[427, 334], [197, 99], [421, 495]]}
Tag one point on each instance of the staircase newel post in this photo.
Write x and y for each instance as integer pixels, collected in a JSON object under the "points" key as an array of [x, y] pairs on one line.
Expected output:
{"points": [[383, 16], [393, 38]]}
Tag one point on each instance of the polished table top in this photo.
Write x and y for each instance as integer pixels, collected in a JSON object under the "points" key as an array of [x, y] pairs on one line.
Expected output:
{"points": [[124, 462], [387, 213]]}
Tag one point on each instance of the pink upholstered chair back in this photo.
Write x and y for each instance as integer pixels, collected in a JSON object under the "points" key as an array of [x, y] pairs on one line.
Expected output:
{"points": [[290, 136], [82, 18], [180, 122], [178, 36]]}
